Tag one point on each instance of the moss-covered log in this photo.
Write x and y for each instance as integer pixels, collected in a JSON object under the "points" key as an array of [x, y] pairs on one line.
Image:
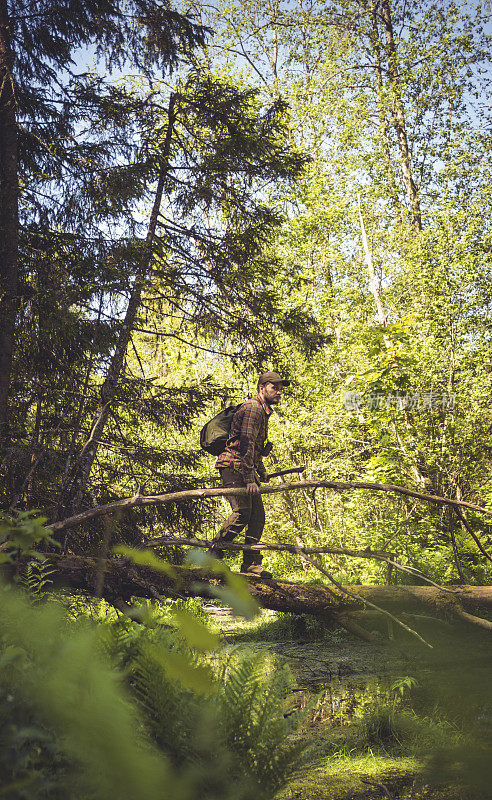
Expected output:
{"points": [[122, 580]]}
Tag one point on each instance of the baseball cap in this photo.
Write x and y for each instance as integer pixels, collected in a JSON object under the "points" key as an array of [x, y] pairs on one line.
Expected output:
{"points": [[272, 377]]}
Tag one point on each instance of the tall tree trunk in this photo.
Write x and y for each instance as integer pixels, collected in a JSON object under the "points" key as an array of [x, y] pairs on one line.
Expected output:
{"points": [[77, 420], [108, 389], [373, 282], [9, 212], [35, 443], [398, 114], [384, 124]]}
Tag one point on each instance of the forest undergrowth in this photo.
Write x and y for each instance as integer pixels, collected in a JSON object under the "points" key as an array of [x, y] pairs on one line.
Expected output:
{"points": [[94, 704], [222, 702]]}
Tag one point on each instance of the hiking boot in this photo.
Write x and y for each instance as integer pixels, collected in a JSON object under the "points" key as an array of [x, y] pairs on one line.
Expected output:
{"points": [[256, 570]]}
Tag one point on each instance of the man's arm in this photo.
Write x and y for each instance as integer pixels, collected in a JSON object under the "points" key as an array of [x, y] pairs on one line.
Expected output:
{"points": [[267, 449]]}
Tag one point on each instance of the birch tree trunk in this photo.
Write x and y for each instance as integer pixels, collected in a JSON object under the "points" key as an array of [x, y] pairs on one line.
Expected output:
{"points": [[398, 116], [384, 123]]}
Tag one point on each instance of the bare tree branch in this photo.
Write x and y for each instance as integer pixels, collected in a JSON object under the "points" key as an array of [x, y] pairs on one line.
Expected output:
{"points": [[201, 494], [304, 557], [378, 555]]}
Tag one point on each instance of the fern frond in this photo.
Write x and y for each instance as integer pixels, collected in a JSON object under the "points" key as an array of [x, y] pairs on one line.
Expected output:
{"points": [[255, 729], [36, 579]]}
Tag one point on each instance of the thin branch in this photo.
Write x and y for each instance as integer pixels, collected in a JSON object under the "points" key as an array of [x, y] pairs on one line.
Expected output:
{"points": [[400, 526], [26, 480], [352, 627], [417, 574], [187, 342], [377, 555], [103, 554], [200, 494], [300, 552], [290, 548], [379, 786], [451, 513], [471, 618], [472, 533]]}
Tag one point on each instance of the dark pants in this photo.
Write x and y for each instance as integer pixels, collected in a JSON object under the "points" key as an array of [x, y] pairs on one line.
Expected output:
{"points": [[248, 511]]}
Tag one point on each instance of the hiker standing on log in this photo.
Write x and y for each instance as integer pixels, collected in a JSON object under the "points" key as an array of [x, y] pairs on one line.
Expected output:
{"points": [[240, 465]]}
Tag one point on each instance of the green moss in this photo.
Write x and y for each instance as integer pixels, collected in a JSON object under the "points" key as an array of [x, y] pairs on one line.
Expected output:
{"points": [[341, 778]]}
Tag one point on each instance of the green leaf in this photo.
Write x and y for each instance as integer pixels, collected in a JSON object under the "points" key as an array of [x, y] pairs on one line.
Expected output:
{"points": [[10, 654], [241, 606], [196, 677], [202, 559], [145, 558], [195, 632], [236, 594]]}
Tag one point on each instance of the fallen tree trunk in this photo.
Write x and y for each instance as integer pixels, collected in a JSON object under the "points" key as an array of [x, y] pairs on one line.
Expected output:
{"points": [[122, 580]]}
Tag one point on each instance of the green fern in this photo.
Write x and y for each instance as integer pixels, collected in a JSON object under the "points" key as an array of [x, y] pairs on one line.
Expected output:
{"points": [[163, 741], [234, 744], [36, 578], [68, 731], [252, 702]]}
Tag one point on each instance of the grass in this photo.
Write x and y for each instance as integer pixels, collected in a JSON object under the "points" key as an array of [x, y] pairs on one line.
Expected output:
{"points": [[277, 627], [343, 779], [340, 760]]}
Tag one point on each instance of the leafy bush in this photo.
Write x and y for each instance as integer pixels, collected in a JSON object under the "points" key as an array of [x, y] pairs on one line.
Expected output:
{"points": [[20, 533]]}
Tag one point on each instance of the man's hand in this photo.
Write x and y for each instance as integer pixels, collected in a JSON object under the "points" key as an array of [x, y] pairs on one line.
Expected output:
{"points": [[252, 488]]}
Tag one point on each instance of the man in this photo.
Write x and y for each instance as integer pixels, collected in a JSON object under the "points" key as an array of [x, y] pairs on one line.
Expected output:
{"points": [[241, 465]]}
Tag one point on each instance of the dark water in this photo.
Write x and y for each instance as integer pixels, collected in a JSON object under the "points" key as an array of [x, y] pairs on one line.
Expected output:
{"points": [[338, 677]]}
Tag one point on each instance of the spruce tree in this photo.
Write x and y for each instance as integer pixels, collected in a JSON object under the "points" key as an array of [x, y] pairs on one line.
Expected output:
{"points": [[41, 147]]}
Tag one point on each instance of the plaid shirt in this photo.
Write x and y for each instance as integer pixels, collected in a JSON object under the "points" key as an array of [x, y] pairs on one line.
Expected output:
{"points": [[247, 437]]}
